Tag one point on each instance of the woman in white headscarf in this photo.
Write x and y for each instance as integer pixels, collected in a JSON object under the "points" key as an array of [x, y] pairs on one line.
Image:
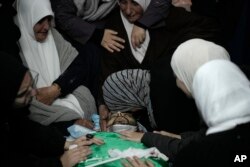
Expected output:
{"points": [[192, 54], [45, 51], [189, 56], [222, 94]]}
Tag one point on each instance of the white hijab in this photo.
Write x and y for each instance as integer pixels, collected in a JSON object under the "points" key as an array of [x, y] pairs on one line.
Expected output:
{"points": [[222, 94], [139, 53], [41, 57], [190, 55]]}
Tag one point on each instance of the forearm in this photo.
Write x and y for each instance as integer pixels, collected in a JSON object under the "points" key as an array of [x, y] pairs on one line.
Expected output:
{"points": [[156, 12], [67, 20], [167, 145], [72, 77], [171, 146]]}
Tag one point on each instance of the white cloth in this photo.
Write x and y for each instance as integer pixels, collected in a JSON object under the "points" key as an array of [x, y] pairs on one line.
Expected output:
{"points": [[141, 153], [222, 94], [190, 55], [138, 53], [41, 57]]}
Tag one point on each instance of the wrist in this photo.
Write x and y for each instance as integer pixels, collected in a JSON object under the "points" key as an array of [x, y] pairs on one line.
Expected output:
{"points": [[57, 88], [141, 25]]}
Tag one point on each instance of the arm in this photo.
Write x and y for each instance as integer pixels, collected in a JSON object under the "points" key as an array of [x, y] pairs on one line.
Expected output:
{"points": [[67, 20], [72, 65], [155, 13], [167, 145]]}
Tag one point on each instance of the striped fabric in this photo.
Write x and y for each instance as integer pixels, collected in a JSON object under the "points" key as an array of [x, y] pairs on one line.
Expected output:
{"points": [[128, 90]]}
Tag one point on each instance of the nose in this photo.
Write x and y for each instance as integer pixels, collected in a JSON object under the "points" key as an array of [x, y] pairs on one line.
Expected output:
{"points": [[128, 9], [46, 24]]}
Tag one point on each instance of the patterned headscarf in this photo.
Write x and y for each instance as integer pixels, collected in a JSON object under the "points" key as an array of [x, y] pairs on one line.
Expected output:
{"points": [[127, 90], [222, 94]]}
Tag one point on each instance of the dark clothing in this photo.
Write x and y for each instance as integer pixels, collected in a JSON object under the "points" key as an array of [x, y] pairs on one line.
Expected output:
{"points": [[71, 26], [165, 96], [8, 45], [86, 38], [171, 146], [218, 149], [155, 14], [233, 17], [83, 70], [37, 145], [173, 111], [24, 142], [113, 62]]}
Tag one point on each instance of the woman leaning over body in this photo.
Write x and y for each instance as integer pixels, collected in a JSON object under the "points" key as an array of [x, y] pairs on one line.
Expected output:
{"points": [[188, 57], [24, 141], [60, 98]]}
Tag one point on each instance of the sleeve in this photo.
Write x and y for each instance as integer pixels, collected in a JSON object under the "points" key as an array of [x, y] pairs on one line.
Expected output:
{"points": [[67, 20], [36, 139], [72, 65], [167, 145], [34, 161], [72, 77], [43, 140], [156, 12]]}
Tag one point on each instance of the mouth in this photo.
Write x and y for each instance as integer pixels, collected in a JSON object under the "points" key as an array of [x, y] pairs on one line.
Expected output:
{"points": [[45, 33]]}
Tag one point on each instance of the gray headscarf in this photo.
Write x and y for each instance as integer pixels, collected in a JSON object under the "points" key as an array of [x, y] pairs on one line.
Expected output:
{"points": [[90, 10], [128, 89]]}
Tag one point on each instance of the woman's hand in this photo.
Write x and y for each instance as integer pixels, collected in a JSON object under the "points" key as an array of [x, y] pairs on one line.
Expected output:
{"points": [[104, 115], [111, 41], [186, 4], [136, 162], [133, 136], [82, 141], [138, 36], [84, 122], [47, 95], [164, 133], [74, 156]]}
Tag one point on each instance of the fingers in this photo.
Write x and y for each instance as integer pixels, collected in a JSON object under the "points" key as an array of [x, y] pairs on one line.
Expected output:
{"points": [[104, 113], [115, 44], [137, 162], [149, 163], [111, 41], [97, 141], [125, 163], [103, 124], [138, 36], [85, 123], [134, 162], [137, 41], [126, 135]]}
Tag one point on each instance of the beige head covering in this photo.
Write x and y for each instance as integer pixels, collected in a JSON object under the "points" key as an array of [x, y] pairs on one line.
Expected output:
{"points": [[222, 94], [190, 55]]}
